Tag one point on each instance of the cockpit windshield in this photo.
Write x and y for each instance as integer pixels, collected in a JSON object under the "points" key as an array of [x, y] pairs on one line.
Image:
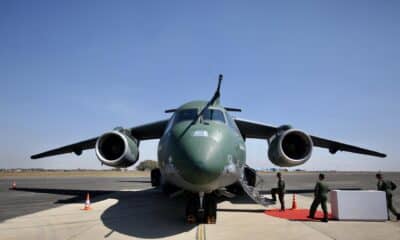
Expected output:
{"points": [[191, 114], [214, 115], [185, 115]]}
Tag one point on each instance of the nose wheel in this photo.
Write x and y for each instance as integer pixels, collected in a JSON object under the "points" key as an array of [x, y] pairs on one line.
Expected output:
{"points": [[201, 208]]}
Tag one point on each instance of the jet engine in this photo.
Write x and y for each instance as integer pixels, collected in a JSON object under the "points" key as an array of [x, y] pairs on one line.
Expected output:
{"points": [[117, 148], [290, 147]]}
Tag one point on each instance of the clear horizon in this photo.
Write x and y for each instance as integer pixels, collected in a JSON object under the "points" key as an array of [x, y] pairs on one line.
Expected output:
{"points": [[72, 70]]}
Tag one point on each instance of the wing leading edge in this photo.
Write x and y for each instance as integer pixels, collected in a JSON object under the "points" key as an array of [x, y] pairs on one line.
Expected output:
{"points": [[76, 148], [250, 129], [148, 131]]}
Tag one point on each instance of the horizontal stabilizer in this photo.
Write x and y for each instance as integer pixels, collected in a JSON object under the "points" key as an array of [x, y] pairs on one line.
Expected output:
{"points": [[233, 109], [170, 110]]}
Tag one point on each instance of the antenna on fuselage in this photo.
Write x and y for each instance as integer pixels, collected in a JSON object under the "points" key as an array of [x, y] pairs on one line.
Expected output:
{"points": [[217, 94], [214, 99]]}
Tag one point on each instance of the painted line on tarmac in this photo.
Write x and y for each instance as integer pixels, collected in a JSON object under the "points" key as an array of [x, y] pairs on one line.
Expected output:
{"points": [[201, 232]]}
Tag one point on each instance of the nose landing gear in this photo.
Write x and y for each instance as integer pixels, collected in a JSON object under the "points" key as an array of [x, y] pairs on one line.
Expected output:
{"points": [[201, 208]]}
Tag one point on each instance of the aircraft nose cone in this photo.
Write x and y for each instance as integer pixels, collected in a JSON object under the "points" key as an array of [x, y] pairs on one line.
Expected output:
{"points": [[198, 157]]}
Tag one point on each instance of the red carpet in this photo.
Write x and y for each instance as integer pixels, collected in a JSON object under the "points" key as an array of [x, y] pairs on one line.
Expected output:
{"points": [[297, 214]]}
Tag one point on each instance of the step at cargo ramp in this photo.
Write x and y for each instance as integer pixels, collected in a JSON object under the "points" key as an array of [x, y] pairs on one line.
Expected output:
{"points": [[255, 192]]}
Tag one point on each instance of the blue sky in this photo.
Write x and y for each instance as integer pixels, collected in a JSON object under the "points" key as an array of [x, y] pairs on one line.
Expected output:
{"points": [[71, 70]]}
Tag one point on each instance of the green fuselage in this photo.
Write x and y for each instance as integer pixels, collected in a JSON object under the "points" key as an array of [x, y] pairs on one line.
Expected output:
{"points": [[204, 154]]}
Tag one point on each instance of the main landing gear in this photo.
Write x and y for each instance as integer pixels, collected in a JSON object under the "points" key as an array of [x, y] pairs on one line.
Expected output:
{"points": [[155, 177], [201, 208]]}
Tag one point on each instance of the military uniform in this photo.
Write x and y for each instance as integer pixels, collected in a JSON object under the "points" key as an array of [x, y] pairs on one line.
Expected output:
{"points": [[280, 190], [320, 197], [386, 186]]}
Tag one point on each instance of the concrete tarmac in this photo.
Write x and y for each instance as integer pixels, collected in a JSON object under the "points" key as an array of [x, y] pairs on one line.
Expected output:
{"points": [[128, 208]]}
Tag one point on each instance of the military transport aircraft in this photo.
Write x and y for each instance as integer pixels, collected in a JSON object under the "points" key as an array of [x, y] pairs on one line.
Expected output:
{"points": [[202, 151]]}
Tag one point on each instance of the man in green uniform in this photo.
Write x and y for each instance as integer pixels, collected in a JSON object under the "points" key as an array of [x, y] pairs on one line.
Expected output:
{"points": [[280, 190], [387, 186], [320, 197]]}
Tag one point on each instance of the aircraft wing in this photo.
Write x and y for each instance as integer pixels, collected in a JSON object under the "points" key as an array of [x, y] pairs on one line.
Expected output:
{"points": [[250, 129], [152, 130], [76, 148], [148, 131]]}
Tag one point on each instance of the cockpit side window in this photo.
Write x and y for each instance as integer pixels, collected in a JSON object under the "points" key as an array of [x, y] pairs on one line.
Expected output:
{"points": [[180, 116], [214, 115], [232, 124], [169, 125]]}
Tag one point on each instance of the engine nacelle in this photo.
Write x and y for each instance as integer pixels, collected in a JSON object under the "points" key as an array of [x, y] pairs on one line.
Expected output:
{"points": [[290, 147], [117, 149]]}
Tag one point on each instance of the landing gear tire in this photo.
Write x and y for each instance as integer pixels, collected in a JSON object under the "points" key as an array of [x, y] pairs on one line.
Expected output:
{"points": [[210, 208], [155, 177], [200, 216], [192, 207]]}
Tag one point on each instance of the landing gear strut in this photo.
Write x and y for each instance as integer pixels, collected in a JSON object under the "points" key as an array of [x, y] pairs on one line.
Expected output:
{"points": [[201, 208]]}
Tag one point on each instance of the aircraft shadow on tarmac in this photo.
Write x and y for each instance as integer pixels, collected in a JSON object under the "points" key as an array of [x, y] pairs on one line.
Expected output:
{"points": [[77, 194], [145, 213]]}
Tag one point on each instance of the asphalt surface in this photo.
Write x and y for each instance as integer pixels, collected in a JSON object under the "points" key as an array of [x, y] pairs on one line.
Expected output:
{"points": [[36, 194]]}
